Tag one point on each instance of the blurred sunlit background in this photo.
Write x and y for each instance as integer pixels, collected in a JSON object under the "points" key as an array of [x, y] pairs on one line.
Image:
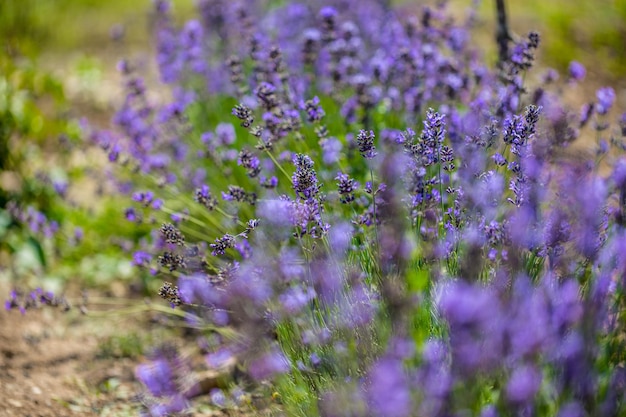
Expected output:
{"points": [[79, 41]]}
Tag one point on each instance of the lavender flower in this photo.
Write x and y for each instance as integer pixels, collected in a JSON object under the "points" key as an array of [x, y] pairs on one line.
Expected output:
{"points": [[225, 133], [170, 66], [243, 113], [523, 384], [606, 97], [170, 293], [522, 56], [191, 39], [269, 364], [171, 234], [204, 197], [577, 71], [313, 110], [163, 376], [141, 258], [250, 162], [304, 179], [238, 194], [196, 289], [389, 393], [432, 136], [477, 334], [296, 298], [331, 149], [218, 398], [158, 377], [346, 186], [221, 244], [172, 261], [365, 142], [34, 299]]}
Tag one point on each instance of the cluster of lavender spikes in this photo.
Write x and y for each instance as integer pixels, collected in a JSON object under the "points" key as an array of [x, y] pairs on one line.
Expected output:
{"points": [[478, 271], [34, 299]]}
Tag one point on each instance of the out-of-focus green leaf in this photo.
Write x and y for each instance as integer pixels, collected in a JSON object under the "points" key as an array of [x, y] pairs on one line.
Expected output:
{"points": [[38, 249]]}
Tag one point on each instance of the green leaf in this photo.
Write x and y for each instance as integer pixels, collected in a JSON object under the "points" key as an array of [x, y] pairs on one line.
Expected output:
{"points": [[417, 280], [41, 256]]}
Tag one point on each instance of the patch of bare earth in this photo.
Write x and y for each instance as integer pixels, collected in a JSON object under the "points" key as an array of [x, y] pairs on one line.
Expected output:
{"points": [[49, 367]]}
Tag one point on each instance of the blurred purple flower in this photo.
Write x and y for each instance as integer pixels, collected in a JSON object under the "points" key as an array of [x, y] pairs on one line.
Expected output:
{"points": [[577, 71], [477, 327], [523, 384], [331, 148], [571, 409], [313, 110], [197, 289], [219, 358], [296, 298], [225, 133], [158, 377], [141, 258], [268, 365], [218, 398], [606, 98], [388, 390]]}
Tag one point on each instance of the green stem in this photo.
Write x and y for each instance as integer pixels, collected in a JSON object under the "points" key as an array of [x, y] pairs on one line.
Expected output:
{"points": [[279, 166], [377, 243], [195, 221]]}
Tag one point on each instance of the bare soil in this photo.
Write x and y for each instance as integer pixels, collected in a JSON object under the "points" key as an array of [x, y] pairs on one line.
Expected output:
{"points": [[50, 367]]}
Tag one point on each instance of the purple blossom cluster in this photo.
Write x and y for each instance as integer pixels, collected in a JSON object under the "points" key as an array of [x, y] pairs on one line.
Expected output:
{"points": [[34, 299], [36, 221], [479, 271]]}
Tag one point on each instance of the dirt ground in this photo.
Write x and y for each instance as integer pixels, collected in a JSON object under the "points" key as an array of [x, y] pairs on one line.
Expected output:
{"points": [[64, 364], [50, 367]]}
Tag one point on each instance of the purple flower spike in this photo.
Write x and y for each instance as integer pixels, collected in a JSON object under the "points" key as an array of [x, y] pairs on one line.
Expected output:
{"points": [[365, 141], [331, 149], [268, 365], [218, 398], [141, 258], [157, 377], [577, 71], [219, 358], [346, 187], [328, 13], [225, 133], [304, 179], [571, 409], [296, 298], [389, 393], [197, 289], [162, 6], [606, 98], [523, 384], [314, 111]]}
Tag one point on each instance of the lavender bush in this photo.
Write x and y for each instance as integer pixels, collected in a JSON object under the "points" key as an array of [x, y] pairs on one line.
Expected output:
{"points": [[358, 209]]}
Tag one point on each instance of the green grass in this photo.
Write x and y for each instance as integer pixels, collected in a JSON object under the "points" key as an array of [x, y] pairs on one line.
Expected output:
{"points": [[590, 31]]}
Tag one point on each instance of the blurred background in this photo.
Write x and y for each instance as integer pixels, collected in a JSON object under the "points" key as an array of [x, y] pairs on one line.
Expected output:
{"points": [[80, 40]]}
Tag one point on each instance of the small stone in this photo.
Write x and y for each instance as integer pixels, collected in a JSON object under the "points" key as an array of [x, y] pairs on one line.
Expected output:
{"points": [[14, 403], [36, 390]]}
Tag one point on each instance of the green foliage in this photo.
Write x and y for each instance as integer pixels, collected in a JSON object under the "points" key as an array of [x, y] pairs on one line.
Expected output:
{"points": [[38, 142], [131, 345]]}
